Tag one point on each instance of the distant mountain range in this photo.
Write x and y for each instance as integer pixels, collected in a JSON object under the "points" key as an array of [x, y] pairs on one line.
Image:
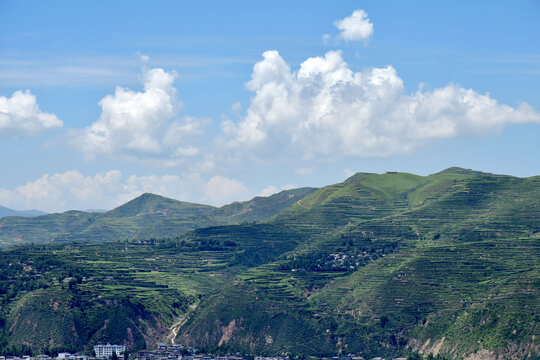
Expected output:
{"points": [[144, 217], [4, 211], [378, 265]]}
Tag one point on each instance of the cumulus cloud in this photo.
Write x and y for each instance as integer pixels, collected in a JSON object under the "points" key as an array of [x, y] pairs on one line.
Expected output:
{"points": [[141, 123], [72, 190], [20, 116], [61, 191], [220, 190], [326, 109], [355, 27]]}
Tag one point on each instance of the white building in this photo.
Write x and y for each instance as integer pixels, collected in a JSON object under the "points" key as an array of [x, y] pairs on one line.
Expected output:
{"points": [[106, 351]]}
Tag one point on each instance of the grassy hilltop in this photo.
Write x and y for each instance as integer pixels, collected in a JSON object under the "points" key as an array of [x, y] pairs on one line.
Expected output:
{"points": [[377, 265]]}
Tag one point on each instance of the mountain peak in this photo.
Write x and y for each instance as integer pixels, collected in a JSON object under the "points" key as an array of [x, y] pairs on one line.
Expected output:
{"points": [[462, 171], [148, 195], [148, 202]]}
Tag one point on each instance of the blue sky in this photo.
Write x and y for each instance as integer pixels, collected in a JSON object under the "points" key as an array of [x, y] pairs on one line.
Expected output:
{"points": [[213, 101]]}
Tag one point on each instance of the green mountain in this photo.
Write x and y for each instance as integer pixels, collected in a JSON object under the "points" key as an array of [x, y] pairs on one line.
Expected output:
{"points": [[256, 209], [445, 263], [378, 265], [145, 217], [120, 223]]}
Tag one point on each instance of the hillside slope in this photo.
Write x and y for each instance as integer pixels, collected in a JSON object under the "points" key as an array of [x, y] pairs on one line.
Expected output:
{"points": [[144, 217], [446, 263], [120, 223], [377, 265]]}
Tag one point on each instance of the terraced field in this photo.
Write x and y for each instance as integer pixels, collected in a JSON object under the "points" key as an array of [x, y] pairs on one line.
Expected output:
{"points": [[377, 265], [399, 264], [85, 289]]}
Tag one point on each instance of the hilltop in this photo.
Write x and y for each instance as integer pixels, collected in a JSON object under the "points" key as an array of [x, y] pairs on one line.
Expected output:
{"points": [[379, 264]]}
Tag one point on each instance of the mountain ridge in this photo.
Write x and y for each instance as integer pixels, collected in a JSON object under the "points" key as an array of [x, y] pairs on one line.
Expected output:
{"points": [[147, 215]]}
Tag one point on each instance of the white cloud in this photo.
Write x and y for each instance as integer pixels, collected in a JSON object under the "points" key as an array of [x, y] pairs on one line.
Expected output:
{"points": [[72, 190], [236, 108], [62, 191], [20, 116], [221, 190], [355, 27], [141, 123], [326, 109]]}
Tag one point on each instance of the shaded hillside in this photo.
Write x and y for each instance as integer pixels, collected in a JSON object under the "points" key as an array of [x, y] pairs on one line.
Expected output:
{"points": [[70, 297], [147, 216], [261, 207]]}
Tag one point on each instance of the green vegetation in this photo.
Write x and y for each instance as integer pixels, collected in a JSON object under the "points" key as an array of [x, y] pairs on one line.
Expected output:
{"points": [[148, 216], [390, 263], [380, 265], [78, 294]]}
